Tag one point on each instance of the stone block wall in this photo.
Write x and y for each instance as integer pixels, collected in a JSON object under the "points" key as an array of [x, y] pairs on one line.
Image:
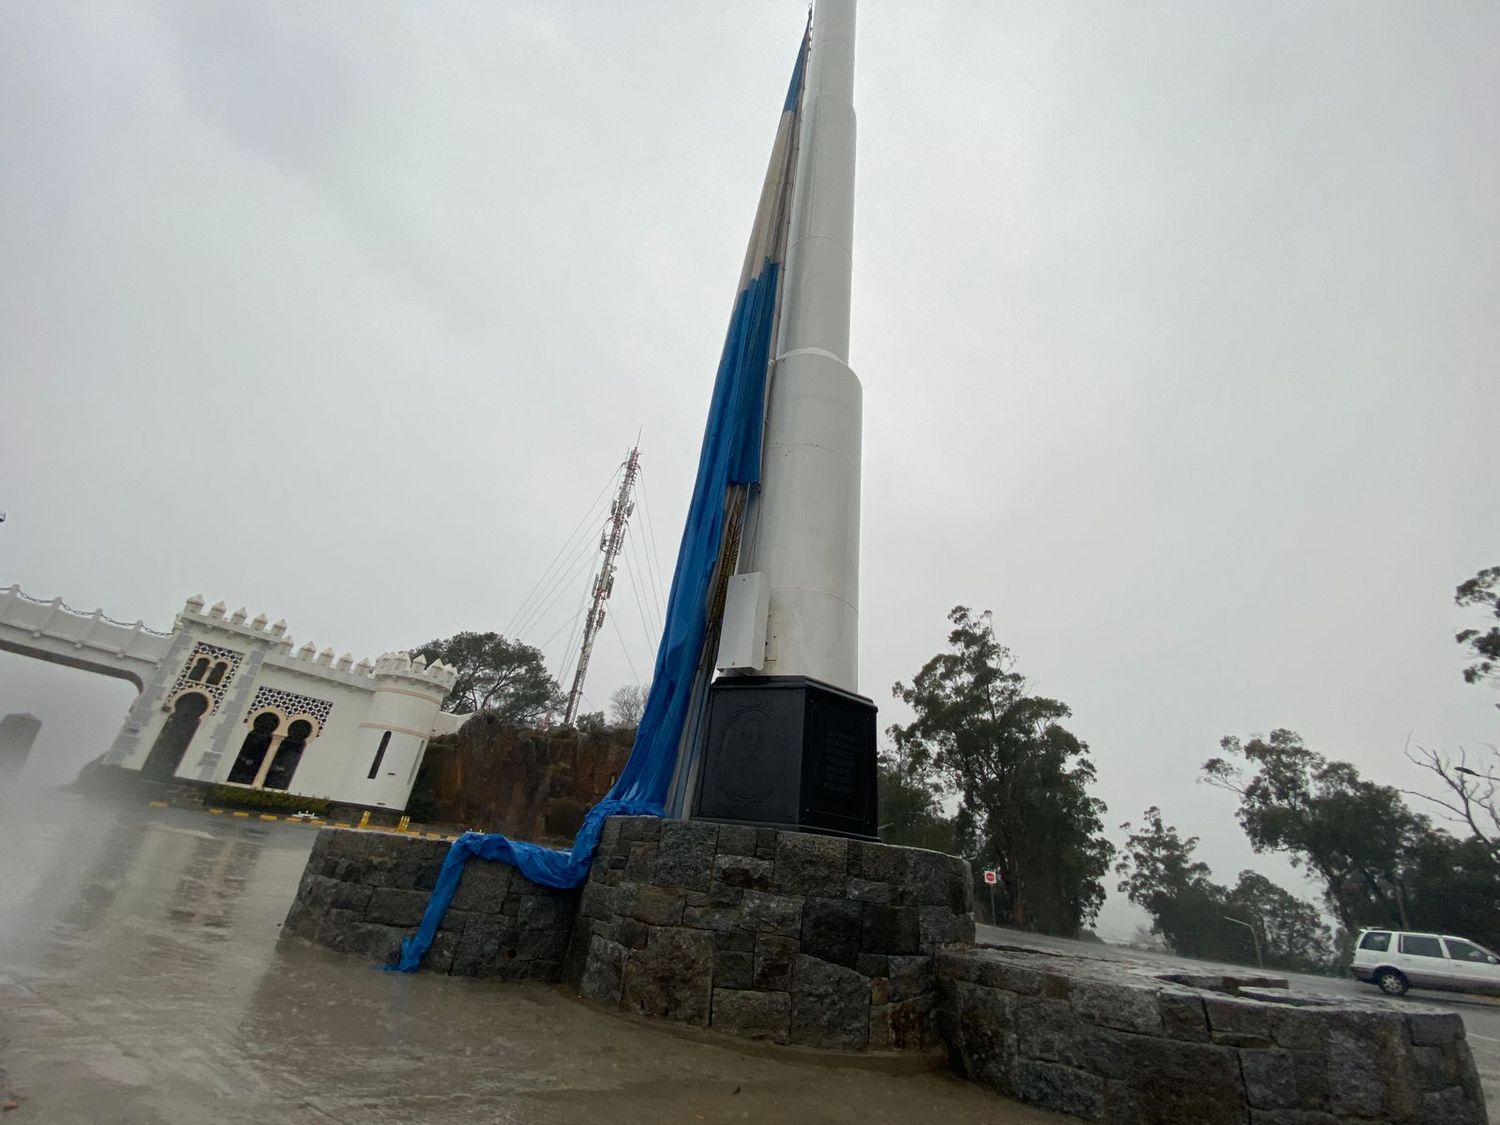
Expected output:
{"points": [[1109, 1041], [784, 936], [834, 943], [362, 892]]}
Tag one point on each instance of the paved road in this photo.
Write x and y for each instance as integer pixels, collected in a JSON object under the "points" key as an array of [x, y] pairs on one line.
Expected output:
{"points": [[143, 982], [1481, 1014]]}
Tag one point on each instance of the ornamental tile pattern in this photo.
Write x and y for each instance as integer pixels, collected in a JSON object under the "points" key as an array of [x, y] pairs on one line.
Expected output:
{"points": [[292, 705], [213, 654]]}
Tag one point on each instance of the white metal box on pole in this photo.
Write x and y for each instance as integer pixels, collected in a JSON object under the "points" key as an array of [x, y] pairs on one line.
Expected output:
{"points": [[742, 636]]}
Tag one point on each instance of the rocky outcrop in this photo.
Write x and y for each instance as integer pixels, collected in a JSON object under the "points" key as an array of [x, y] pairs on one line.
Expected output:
{"points": [[533, 785]]}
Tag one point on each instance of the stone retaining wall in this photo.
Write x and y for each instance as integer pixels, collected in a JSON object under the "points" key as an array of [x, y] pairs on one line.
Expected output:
{"points": [[785, 936], [817, 940], [1113, 1042], [362, 892]]}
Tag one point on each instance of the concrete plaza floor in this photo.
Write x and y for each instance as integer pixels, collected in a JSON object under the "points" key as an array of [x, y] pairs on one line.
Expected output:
{"points": [[143, 980]]}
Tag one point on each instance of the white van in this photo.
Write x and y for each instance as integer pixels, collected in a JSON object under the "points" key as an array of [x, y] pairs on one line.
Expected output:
{"points": [[1396, 960]]}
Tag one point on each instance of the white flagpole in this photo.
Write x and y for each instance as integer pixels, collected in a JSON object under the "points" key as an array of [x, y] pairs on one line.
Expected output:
{"points": [[806, 539]]}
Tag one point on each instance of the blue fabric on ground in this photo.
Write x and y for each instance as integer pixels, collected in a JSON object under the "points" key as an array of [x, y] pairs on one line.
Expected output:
{"points": [[730, 455]]}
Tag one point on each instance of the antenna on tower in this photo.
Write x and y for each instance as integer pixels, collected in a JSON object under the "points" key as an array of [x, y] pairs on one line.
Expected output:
{"points": [[609, 543]]}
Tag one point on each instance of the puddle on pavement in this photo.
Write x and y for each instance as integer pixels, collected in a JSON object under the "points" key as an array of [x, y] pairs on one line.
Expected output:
{"points": [[143, 979]]}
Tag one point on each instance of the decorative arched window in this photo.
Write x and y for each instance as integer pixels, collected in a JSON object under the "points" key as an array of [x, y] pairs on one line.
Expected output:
{"points": [[288, 754], [217, 675], [200, 666], [253, 749]]}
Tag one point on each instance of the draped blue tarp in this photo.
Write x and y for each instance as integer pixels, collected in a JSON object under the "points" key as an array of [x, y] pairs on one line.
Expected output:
{"points": [[730, 456]]}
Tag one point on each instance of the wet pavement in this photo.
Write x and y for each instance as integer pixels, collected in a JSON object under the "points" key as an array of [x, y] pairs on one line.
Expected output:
{"points": [[143, 980]]}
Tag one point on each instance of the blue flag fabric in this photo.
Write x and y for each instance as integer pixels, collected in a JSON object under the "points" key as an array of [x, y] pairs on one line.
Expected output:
{"points": [[730, 456]]}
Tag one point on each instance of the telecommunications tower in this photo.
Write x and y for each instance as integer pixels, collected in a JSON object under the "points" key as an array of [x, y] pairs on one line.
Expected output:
{"points": [[610, 543]]}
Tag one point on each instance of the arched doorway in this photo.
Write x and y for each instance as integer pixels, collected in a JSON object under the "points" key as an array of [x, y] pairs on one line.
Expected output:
{"points": [[288, 754], [172, 743], [253, 749]]}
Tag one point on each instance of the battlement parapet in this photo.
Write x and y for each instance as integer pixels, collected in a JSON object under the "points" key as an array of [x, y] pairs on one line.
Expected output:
{"points": [[402, 664], [15, 597], [310, 658]]}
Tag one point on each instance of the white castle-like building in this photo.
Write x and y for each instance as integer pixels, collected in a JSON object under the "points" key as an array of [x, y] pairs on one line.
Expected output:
{"points": [[232, 701]]}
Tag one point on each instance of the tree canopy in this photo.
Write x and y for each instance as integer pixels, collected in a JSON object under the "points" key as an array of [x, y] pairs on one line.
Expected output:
{"points": [[505, 677], [1380, 863], [628, 704], [1453, 887], [1482, 591], [1353, 835], [1200, 918], [1159, 873], [1292, 931], [911, 811], [1022, 778]]}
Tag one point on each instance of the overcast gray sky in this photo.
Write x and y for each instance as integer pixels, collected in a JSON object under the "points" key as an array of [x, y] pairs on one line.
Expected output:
{"points": [[1175, 322]]}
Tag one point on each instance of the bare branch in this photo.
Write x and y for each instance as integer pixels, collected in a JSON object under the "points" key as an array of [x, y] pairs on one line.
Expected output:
{"points": [[1472, 794]]}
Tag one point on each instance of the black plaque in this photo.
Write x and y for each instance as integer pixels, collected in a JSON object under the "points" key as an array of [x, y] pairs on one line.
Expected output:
{"points": [[790, 752]]}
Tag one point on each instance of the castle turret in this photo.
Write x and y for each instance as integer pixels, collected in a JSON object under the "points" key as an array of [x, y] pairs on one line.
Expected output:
{"points": [[392, 739]]}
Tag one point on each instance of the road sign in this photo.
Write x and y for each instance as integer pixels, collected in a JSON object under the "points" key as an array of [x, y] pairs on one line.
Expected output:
{"points": [[991, 878]]}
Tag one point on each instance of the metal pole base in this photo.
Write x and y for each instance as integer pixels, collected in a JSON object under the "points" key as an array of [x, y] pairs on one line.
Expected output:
{"points": [[789, 752]]}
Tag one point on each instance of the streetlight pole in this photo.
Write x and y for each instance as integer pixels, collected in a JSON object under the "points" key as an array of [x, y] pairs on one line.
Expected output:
{"points": [[1254, 936]]}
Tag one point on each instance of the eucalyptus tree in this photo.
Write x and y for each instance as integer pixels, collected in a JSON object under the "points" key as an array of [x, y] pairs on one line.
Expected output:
{"points": [[1021, 777]]}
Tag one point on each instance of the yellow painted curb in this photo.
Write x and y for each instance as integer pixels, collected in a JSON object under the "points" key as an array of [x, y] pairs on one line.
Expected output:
{"points": [[317, 822]]}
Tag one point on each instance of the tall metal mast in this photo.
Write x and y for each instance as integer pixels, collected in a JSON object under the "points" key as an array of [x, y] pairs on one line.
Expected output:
{"points": [[807, 539], [610, 543]]}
